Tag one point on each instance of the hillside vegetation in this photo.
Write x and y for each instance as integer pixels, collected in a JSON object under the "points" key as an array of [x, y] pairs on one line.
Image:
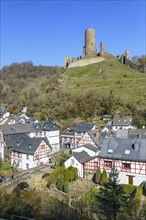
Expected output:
{"points": [[81, 93]]}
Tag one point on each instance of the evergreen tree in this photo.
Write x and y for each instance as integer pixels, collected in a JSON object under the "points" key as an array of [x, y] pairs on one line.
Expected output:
{"points": [[103, 178], [111, 198], [97, 176]]}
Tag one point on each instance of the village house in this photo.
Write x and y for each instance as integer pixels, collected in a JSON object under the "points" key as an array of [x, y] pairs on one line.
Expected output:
{"points": [[38, 129], [27, 152], [51, 131], [106, 118], [1, 146], [4, 114], [92, 137], [122, 122], [71, 136], [81, 156], [128, 155]]}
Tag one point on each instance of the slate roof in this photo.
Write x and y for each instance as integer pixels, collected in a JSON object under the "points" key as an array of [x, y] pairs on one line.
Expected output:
{"points": [[23, 143], [135, 146], [2, 110], [29, 127], [82, 157], [137, 132], [122, 121], [96, 140], [89, 146], [82, 127], [46, 126], [122, 133], [17, 119], [18, 128]]}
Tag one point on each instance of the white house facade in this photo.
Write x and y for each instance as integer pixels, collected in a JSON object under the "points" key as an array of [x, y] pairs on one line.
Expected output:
{"points": [[1, 146], [29, 152], [72, 161], [128, 156]]}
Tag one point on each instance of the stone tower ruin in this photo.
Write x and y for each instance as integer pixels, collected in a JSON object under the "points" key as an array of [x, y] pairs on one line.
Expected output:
{"points": [[127, 54], [90, 42], [101, 48]]}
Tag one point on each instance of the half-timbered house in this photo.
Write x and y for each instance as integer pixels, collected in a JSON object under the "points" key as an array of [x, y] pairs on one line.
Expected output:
{"points": [[71, 136], [128, 155], [50, 130], [84, 158], [27, 152]]}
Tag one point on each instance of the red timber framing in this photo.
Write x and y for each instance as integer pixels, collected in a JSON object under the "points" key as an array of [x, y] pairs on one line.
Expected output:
{"points": [[92, 164], [132, 167], [85, 139], [15, 156], [42, 151]]}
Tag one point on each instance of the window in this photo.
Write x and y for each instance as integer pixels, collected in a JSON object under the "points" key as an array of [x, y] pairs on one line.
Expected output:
{"points": [[27, 156], [127, 151], [27, 166], [108, 164], [72, 161], [110, 151], [43, 146], [126, 166]]}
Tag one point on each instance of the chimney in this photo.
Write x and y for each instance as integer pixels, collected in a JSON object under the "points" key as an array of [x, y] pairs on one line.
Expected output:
{"points": [[97, 134]]}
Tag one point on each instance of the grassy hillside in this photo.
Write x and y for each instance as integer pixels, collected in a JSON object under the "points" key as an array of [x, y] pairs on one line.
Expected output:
{"points": [[81, 93], [107, 76]]}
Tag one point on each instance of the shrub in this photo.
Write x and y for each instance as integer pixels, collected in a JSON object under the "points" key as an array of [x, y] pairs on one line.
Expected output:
{"points": [[103, 178], [128, 189], [60, 182], [144, 189], [138, 192], [65, 187], [73, 173], [97, 176], [45, 175]]}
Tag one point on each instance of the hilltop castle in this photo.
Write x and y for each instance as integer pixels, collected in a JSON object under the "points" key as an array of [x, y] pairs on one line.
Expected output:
{"points": [[90, 55]]}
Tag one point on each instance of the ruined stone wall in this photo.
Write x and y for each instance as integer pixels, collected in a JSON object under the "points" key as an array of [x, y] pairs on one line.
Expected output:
{"points": [[84, 62], [138, 67]]}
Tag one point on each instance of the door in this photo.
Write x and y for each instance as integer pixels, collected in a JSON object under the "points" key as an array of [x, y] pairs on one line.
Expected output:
{"points": [[130, 180]]}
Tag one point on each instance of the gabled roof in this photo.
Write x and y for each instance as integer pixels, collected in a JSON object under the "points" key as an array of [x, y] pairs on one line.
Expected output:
{"points": [[122, 121], [96, 140], [23, 143], [82, 127], [18, 128], [88, 146], [82, 157], [46, 126], [117, 148]]}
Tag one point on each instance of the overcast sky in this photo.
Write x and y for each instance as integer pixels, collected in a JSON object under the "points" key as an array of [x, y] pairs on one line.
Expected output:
{"points": [[46, 31]]}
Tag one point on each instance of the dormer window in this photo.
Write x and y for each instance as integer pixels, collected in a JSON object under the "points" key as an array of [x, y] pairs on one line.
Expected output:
{"points": [[110, 151], [127, 152]]}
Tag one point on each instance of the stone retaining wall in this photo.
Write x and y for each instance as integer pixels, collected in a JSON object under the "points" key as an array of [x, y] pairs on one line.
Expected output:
{"points": [[84, 62]]}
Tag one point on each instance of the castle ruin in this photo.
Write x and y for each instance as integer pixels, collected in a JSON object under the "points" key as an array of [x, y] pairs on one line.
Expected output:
{"points": [[90, 55]]}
